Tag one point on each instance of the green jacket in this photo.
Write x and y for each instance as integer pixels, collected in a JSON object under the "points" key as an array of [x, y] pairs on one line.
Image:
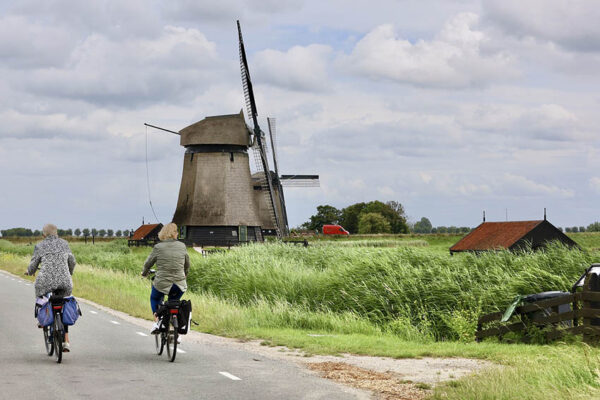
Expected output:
{"points": [[172, 265]]}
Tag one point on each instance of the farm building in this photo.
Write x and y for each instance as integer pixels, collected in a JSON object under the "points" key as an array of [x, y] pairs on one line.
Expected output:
{"points": [[511, 235], [145, 235]]}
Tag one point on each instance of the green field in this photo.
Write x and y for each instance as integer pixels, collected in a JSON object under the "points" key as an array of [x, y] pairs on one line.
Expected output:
{"points": [[399, 296]]}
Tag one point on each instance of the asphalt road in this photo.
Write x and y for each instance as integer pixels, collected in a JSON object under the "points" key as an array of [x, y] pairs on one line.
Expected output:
{"points": [[111, 358]]}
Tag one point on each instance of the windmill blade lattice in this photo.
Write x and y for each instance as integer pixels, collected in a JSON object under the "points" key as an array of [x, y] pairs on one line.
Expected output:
{"points": [[259, 150]]}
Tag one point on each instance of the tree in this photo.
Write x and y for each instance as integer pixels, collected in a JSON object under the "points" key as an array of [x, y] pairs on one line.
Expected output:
{"points": [[37, 233], [350, 215], [127, 233], [423, 226], [77, 232], [109, 232], [394, 214], [442, 229], [102, 232], [392, 211], [373, 223], [574, 229], [582, 229], [94, 232], [594, 227], [325, 215], [567, 229], [86, 232], [21, 232], [118, 233]]}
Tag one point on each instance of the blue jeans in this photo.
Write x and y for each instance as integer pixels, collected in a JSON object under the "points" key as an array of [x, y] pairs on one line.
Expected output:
{"points": [[156, 297]]}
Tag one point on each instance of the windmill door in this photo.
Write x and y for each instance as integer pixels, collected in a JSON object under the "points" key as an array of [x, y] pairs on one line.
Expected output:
{"points": [[243, 233]]}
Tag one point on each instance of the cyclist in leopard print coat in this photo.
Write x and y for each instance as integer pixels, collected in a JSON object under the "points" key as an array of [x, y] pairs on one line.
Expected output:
{"points": [[57, 262]]}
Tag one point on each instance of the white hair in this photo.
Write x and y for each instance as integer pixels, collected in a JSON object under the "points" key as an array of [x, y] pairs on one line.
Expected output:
{"points": [[50, 229]]}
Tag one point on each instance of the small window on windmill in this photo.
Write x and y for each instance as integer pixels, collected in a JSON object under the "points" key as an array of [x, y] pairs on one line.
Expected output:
{"points": [[243, 233], [182, 232], [233, 233]]}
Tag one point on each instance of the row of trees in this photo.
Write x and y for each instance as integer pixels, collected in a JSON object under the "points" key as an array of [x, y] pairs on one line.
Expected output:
{"points": [[25, 232], [372, 217], [424, 226]]}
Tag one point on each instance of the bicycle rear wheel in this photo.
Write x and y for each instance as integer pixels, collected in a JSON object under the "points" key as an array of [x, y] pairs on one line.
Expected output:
{"points": [[159, 339], [172, 336], [58, 335], [48, 340]]}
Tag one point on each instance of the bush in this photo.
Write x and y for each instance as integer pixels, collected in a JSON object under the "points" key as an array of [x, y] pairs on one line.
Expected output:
{"points": [[373, 223]]}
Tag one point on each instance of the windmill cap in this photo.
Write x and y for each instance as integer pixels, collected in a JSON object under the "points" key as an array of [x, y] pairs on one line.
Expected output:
{"points": [[220, 129]]}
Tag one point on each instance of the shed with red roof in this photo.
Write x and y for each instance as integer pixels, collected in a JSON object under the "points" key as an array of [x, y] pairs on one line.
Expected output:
{"points": [[511, 235], [145, 235]]}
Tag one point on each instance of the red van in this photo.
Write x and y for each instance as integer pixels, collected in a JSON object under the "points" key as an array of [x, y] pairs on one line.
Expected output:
{"points": [[334, 230]]}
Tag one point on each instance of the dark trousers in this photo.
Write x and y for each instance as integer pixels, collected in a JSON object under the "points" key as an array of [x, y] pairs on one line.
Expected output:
{"points": [[157, 297]]}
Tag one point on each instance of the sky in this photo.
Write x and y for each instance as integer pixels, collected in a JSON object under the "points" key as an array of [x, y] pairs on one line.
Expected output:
{"points": [[450, 107]]}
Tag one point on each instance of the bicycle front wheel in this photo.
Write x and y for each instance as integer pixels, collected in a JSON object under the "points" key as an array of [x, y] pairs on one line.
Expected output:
{"points": [[172, 336], [58, 335], [48, 340]]}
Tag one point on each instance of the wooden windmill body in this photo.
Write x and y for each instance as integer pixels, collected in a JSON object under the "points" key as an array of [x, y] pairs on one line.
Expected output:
{"points": [[216, 204]]}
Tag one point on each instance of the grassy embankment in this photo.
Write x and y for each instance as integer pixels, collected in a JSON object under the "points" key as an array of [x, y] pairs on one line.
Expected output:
{"points": [[394, 301]]}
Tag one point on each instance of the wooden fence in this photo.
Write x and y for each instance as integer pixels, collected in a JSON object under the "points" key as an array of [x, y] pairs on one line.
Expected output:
{"points": [[582, 319]]}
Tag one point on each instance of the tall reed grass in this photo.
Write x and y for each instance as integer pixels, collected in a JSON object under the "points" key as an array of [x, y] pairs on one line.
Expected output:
{"points": [[409, 291]]}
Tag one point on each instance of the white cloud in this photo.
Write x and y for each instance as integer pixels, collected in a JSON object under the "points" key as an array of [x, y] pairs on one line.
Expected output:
{"points": [[175, 65], [425, 177], [545, 122], [522, 186], [387, 192], [456, 58], [594, 183], [299, 68], [571, 24]]}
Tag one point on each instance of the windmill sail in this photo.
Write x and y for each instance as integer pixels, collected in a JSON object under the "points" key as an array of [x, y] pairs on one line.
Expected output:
{"points": [[284, 221], [257, 133]]}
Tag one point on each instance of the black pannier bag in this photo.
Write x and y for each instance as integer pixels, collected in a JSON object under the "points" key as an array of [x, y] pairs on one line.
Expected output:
{"points": [[184, 317]]}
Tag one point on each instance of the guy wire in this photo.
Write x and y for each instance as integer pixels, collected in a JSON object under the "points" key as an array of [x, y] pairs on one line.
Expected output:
{"points": [[148, 179]]}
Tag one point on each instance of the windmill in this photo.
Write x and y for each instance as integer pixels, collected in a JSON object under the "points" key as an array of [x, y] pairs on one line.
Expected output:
{"points": [[271, 183], [220, 201]]}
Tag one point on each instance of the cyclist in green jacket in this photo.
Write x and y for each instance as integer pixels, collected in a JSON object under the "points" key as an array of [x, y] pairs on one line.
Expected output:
{"points": [[172, 266]]}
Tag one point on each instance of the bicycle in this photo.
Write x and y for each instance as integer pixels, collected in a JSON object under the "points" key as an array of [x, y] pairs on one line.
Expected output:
{"points": [[168, 334], [54, 334]]}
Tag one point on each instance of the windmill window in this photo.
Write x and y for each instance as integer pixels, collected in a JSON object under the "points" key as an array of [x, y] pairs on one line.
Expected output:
{"points": [[192, 158], [231, 156], [233, 233]]}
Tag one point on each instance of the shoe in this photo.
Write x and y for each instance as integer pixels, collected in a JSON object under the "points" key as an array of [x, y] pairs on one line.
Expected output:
{"points": [[155, 328], [66, 347]]}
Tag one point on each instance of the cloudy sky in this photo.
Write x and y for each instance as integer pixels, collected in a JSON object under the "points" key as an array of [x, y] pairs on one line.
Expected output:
{"points": [[449, 107]]}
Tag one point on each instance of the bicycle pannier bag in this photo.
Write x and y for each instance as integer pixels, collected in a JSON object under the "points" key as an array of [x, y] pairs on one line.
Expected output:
{"points": [[184, 317], [44, 314], [71, 311]]}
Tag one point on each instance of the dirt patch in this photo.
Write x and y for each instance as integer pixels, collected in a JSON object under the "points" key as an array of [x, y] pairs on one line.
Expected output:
{"points": [[385, 385]]}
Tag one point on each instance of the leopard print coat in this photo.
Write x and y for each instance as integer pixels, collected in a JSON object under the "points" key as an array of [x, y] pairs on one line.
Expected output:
{"points": [[58, 264]]}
